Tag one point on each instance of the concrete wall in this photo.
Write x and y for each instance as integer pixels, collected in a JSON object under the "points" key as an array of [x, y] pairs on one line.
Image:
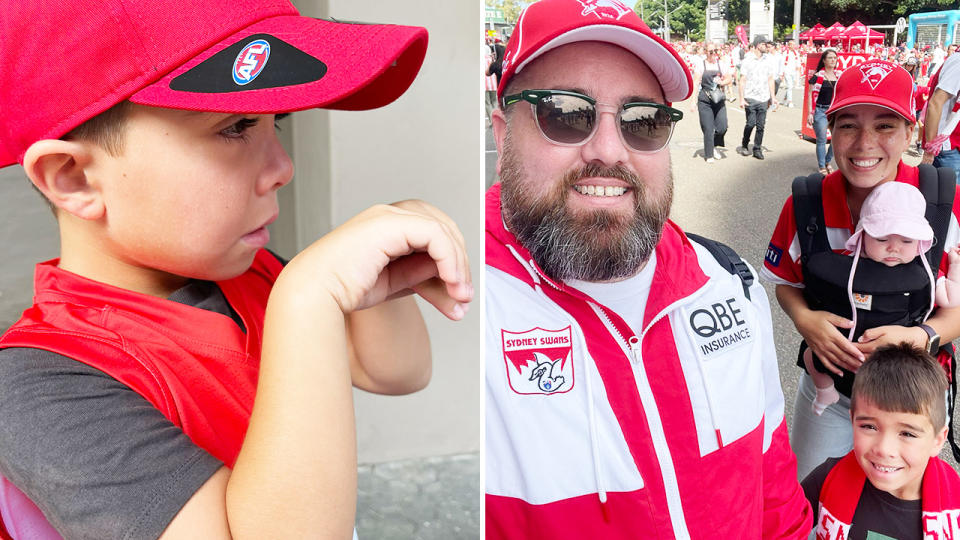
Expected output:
{"points": [[426, 145]]}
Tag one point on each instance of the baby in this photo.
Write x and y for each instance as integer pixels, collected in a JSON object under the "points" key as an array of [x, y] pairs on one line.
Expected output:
{"points": [[892, 231]]}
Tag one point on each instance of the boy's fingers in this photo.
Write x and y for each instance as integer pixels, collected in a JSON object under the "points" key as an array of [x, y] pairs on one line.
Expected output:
{"points": [[444, 244], [435, 292], [429, 211]]}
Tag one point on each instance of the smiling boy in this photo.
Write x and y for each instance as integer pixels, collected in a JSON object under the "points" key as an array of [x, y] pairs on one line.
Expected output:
{"points": [[151, 390], [892, 484]]}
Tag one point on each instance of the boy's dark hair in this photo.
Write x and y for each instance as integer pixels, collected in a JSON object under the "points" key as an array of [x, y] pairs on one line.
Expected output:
{"points": [[903, 378], [106, 129]]}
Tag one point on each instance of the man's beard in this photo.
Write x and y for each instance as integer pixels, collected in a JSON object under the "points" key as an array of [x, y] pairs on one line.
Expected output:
{"points": [[596, 245]]}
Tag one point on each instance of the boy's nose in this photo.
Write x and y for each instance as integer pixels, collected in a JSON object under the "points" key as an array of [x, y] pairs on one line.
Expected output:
{"points": [[278, 171]]}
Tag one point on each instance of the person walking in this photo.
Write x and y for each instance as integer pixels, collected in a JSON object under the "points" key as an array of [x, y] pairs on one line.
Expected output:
{"points": [[711, 105], [756, 94], [820, 94]]}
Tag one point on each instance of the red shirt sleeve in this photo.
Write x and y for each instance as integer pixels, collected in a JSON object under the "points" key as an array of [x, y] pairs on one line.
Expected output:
{"points": [[778, 259]]}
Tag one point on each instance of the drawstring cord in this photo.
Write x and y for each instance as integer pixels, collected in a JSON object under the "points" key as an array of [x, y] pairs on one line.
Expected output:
{"points": [[595, 444]]}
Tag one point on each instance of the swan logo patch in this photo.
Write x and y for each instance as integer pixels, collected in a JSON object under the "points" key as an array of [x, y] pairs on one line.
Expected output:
{"points": [[539, 361], [609, 9]]}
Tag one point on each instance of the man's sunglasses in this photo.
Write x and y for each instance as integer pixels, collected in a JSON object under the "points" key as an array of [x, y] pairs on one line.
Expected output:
{"points": [[570, 119]]}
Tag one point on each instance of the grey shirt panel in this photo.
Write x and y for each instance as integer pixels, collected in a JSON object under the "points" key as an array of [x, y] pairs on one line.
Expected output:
{"points": [[95, 456]]}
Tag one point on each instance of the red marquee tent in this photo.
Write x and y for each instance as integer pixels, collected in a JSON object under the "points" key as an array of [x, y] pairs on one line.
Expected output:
{"points": [[815, 33], [859, 33], [834, 32]]}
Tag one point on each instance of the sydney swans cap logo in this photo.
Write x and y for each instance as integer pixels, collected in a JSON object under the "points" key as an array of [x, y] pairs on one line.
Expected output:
{"points": [[874, 73], [604, 9]]}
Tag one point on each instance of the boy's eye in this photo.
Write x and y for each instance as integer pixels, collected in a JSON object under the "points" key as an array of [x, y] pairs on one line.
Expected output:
{"points": [[908, 434], [866, 426], [238, 129]]}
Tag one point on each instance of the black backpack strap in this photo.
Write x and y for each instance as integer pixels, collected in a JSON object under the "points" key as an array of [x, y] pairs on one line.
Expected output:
{"points": [[728, 259], [952, 402], [938, 186], [808, 211]]}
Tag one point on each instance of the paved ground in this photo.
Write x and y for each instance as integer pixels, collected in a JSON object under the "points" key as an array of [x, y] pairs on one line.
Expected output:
{"points": [[737, 200]]}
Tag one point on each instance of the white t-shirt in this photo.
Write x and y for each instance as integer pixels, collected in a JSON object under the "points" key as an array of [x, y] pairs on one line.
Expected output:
{"points": [[628, 298], [949, 82], [756, 73]]}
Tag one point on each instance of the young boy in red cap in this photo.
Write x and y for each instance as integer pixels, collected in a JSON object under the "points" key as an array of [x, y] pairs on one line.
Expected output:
{"points": [[892, 484], [151, 390]]}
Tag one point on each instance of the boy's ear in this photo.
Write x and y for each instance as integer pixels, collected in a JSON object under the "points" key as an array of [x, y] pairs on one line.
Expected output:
{"points": [[58, 169], [938, 440]]}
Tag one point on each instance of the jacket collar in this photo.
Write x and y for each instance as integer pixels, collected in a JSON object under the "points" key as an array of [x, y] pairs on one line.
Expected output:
{"points": [[677, 275]]}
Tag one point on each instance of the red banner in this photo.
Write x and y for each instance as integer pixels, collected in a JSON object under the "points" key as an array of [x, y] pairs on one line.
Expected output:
{"points": [[742, 34], [844, 61]]}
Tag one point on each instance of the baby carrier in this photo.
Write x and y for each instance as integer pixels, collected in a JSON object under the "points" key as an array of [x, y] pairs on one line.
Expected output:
{"points": [[899, 295]]}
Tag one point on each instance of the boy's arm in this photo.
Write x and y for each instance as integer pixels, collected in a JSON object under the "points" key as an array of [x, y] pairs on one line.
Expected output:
{"points": [[388, 344], [295, 476], [389, 348]]}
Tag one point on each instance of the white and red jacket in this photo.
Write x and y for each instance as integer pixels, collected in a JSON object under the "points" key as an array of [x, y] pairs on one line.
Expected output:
{"points": [[593, 431]]}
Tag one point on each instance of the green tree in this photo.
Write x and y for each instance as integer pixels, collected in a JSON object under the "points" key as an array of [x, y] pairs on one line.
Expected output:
{"points": [[687, 18], [511, 8]]}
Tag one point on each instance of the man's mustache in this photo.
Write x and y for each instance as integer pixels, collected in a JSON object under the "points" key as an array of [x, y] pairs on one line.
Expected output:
{"points": [[593, 170]]}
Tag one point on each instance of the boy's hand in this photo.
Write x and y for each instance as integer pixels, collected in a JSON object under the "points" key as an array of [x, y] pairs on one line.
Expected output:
{"points": [[389, 251]]}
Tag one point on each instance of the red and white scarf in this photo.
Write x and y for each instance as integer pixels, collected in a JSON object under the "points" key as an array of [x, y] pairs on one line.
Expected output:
{"points": [[940, 500]]}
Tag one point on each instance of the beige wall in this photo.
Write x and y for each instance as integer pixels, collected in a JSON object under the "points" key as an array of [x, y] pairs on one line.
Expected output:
{"points": [[426, 145]]}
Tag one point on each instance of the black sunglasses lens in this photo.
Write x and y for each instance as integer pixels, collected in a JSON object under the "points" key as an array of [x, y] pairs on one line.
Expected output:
{"points": [[565, 119], [646, 129]]}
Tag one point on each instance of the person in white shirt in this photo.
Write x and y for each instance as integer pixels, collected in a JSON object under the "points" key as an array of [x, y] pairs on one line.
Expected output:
{"points": [[756, 94]]}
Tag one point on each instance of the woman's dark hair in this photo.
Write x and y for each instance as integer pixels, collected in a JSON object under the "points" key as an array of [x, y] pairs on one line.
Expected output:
{"points": [[823, 56]]}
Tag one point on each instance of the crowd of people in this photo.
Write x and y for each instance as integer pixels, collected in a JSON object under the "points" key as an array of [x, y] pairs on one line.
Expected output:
{"points": [[721, 66]]}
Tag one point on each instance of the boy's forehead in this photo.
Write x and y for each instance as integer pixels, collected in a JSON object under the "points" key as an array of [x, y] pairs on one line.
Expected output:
{"points": [[865, 410]]}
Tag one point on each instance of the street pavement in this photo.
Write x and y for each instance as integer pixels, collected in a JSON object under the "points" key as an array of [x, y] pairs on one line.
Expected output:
{"points": [[737, 200]]}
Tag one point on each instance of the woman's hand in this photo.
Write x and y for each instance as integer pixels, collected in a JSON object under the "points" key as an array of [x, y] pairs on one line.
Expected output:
{"points": [[819, 330], [877, 337]]}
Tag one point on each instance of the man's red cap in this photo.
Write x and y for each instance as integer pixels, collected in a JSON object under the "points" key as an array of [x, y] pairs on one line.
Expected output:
{"points": [[66, 62], [548, 24], [875, 82]]}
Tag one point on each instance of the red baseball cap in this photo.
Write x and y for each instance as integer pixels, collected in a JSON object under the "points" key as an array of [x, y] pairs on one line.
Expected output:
{"points": [[875, 82], [66, 62], [548, 24]]}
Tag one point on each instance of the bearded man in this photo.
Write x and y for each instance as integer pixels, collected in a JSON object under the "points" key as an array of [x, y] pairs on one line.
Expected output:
{"points": [[632, 383]]}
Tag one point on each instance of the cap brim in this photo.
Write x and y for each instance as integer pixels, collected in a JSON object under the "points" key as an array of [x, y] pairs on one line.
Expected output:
{"points": [[312, 63], [663, 61], [907, 229], [870, 100]]}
